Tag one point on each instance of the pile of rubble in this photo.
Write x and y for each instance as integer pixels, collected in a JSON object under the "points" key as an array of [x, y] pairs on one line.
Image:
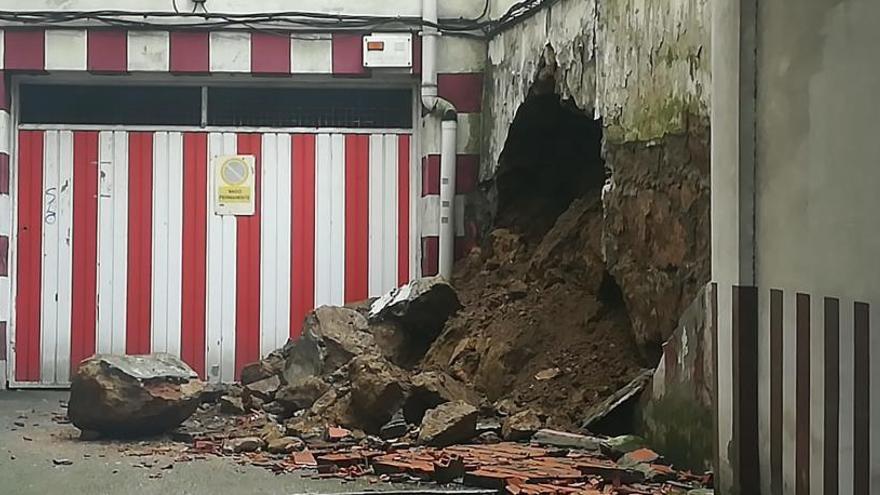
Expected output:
{"points": [[349, 398]]}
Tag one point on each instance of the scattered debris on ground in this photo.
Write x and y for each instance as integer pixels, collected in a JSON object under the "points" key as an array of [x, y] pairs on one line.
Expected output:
{"points": [[353, 397]]}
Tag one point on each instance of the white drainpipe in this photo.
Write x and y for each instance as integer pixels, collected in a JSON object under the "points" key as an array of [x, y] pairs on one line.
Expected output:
{"points": [[449, 115]]}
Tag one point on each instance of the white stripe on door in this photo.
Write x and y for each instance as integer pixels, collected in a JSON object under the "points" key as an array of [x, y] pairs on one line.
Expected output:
{"points": [[275, 241], [57, 255], [383, 214], [112, 241], [330, 220], [222, 255], [167, 241]]}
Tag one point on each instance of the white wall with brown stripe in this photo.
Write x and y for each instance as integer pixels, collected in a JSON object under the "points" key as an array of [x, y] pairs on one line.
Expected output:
{"points": [[796, 404], [795, 242]]}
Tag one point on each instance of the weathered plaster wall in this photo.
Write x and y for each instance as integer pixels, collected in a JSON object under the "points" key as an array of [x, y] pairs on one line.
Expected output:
{"points": [[643, 69], [675, 412]]}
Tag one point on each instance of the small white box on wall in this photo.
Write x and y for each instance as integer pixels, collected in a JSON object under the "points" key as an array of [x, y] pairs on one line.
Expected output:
{"points": [[388, 50], [234, 191]]}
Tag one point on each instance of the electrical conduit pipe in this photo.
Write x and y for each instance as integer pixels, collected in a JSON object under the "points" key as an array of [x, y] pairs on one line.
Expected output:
{"points": [[435, 105]]}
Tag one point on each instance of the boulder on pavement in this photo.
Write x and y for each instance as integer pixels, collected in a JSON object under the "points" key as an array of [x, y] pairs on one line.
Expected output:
{"points": [[429, 389], [126, 396], [421, 306], [521, 426], [230, 404], [378, 389], [331, 337], [449, 423]]}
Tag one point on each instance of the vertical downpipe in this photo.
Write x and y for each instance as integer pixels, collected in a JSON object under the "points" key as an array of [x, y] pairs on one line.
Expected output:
{"points": [[447, 195], [439, 107]]}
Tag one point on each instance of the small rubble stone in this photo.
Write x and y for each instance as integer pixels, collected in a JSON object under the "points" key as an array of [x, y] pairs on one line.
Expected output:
{"points": [[489, 437], [566, 440], [449, 423], [244, 444], [264, 389], [271, 365], [617, 446], [275, 408], [284, 445], [133, 395], [521, 426], [429, 389], [62, 462], [301, 394], [232, 405], [517, 290], [638, 456], [378, 389], [331, 337], [271, 431], [396, 427]]}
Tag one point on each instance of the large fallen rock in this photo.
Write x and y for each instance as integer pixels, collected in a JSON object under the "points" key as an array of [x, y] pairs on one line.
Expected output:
{"points": [[331, 337], [378, 389], [125, 396], [421, 306], [429, 389], [449, 423]]}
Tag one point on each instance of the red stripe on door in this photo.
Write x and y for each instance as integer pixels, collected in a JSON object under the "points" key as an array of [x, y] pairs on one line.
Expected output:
{"points": [[302, 253], [140, 238], [247, 291], [403, 152], [357, 216], [348, 55], [29, 268], [195, 232], [85, 247]]}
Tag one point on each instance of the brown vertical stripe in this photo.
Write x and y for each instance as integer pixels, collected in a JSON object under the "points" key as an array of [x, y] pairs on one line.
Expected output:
{"points": [[713, 300], [2, 343], [745, 389], [862, 401], [832, 395], [802, 397], [776, 361]]}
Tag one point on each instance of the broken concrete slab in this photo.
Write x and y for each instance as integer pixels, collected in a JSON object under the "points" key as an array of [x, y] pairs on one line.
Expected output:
{"points": [[449, 423], [566, 440], [126, 396], [521, 426], [331, 337], [421, 306], [429, 389], [616, 412]]}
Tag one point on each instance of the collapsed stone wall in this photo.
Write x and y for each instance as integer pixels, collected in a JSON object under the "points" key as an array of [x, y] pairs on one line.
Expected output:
{"points": [[643, 70]]}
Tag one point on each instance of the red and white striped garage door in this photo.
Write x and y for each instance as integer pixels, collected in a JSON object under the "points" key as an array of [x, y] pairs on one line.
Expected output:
{"points": [[118, 250]]}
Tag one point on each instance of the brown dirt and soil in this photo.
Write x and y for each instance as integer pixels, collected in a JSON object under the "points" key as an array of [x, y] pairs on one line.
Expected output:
{"points": [[544, 324]]}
